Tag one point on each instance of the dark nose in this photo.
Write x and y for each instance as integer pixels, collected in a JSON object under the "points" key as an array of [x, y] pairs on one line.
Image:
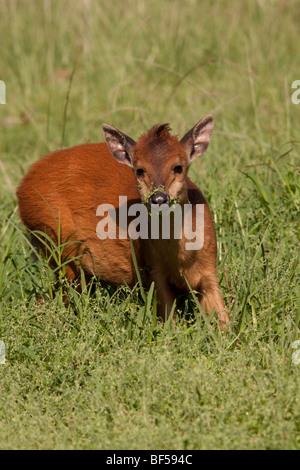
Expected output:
{"points": [[159, 198]]}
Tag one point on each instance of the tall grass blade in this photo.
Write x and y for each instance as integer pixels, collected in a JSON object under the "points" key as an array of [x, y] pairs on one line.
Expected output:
{"points": [[138, 274]]}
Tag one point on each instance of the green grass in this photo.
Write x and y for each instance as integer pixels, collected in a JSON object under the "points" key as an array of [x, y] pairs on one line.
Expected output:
{"points": [[100, 373]]}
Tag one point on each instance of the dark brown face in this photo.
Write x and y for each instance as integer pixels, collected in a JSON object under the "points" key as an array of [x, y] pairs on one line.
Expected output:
{"points": [[160, 169]]}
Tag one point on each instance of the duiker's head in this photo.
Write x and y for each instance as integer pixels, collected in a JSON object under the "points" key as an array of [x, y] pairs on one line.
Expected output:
{"points": [[159, 160]]}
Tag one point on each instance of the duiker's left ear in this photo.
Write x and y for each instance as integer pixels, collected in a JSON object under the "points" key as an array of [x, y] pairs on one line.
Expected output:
{"points": [[120, 145], [196, 141]]}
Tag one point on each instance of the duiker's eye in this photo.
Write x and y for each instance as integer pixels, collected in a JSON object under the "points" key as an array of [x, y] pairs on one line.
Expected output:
{"points": [[139, 172], [178, 169]]}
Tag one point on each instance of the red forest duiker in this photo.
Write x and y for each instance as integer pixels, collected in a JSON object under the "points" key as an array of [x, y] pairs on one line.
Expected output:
{"points": [[65, 192]]}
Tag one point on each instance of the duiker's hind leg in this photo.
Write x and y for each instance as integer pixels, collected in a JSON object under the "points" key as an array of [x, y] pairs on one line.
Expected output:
{"points": [[68, 276]]}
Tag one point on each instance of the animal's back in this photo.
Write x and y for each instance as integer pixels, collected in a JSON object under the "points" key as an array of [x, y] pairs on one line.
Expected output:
{"points": [[68, 186]]}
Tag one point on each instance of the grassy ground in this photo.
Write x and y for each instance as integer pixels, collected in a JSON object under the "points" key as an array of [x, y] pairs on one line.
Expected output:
{"points": [[99, 373]]}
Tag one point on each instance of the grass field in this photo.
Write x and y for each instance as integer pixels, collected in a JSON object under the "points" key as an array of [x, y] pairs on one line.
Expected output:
{"points": [[99, 373]]}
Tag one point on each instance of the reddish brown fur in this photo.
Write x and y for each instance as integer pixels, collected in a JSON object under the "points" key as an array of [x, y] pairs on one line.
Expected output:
{"points": [[73, 182]]}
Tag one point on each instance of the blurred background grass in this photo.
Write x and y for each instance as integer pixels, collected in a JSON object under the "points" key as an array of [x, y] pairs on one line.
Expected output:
{"points": [[138, 63], [70, 66]]}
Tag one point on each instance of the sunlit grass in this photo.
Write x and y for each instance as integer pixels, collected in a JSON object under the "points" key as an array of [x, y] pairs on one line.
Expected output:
{"points": [[100, 371]]}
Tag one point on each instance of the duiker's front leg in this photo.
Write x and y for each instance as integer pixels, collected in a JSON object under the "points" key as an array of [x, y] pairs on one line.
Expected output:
{"points": [[211, 299], [166, 298]]}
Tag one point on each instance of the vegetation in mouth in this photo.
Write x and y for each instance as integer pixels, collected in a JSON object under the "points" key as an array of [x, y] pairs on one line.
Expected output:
{"points": [[155, 191], [145, 201]]}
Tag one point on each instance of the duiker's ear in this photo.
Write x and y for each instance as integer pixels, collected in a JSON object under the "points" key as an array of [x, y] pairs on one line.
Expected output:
{"points": [[120, 145], [196, 141]]}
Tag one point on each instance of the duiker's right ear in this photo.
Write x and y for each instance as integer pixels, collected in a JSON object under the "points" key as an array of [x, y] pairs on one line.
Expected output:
{"points": [[120, 145]]}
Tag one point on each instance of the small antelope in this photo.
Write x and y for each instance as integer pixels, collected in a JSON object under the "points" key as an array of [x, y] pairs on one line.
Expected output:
{"points": [[68, 186]]}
